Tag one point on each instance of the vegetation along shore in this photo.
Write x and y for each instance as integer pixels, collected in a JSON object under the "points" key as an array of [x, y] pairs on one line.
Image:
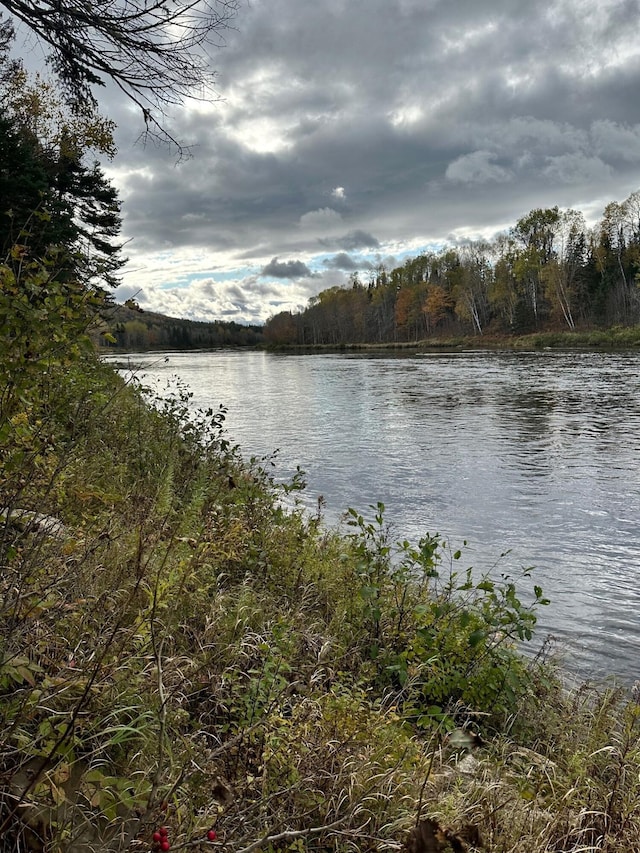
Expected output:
{"points": [[179, 651]]}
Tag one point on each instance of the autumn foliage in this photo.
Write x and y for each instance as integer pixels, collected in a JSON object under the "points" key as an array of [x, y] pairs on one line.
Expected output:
{"points": [[549, 272]]}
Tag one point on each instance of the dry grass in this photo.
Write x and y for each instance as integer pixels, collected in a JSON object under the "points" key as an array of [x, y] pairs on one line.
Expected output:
{"points": [[185, 653]]}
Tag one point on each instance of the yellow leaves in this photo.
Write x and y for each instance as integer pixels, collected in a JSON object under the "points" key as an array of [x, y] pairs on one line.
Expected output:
{"points": [[36, 103], [437, 303], [61, 774], [7, 278], [98, 136], [17, 253], [57, 780], [19, 420]]}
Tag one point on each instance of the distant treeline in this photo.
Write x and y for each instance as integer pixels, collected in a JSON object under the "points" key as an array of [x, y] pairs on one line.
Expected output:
{"points": [[130, 328], [548, 272]]}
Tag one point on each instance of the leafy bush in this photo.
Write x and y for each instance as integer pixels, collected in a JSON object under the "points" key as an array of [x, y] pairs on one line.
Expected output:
{"points": [[441, 637]]}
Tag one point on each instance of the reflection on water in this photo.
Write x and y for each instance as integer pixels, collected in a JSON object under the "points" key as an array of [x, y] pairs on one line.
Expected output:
{"points": [[535, 453]]}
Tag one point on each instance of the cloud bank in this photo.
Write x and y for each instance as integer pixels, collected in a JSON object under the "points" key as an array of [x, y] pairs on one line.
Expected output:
{"points": [[353, 131]]}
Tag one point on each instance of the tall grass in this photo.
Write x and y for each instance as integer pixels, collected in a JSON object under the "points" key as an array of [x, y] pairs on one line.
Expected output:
{"points": [[178, 650]]}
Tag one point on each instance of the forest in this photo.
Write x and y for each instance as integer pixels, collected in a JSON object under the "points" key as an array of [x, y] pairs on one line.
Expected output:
{"points": [[128, 327], [548, 272]]}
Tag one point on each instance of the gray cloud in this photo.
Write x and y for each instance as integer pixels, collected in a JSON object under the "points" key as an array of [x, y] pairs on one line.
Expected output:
{"points": [[477, 168], [343, 261], [416, 121], [613, 142], [357, 239], [286, 269]]}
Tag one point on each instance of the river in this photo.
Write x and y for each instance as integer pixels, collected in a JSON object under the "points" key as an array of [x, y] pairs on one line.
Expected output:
{"points": [[535, 454]]}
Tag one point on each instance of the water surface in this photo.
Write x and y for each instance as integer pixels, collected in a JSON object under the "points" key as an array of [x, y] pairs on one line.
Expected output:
{"points": [[531, 453]]}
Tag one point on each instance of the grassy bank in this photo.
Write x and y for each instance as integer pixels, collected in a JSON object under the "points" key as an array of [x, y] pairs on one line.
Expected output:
{"points": [[616, 337], [178, 651]]}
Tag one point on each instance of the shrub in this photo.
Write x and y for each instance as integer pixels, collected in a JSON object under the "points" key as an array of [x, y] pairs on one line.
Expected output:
{"points": [[440, 637]]}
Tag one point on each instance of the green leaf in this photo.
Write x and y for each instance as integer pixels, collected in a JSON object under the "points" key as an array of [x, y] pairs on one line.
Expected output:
{"points": [[476, 637]]}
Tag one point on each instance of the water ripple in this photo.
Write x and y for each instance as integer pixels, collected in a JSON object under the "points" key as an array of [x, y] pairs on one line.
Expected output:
{"points": [[536, 453]]}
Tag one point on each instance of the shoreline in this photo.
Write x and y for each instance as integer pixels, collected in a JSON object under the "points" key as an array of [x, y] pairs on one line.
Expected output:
{"points": [[615, 338]]}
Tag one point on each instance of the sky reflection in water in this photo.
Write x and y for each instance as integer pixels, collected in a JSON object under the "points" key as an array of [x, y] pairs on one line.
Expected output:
{"points": [[531, 453]]}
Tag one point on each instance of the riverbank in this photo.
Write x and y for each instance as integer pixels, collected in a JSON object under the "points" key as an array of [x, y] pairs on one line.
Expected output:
{"points": [[179, 651], [617, 337]]}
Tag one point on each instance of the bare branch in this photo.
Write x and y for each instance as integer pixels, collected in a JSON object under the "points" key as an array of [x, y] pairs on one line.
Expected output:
{"points": [[293, 833], [156, 51]]}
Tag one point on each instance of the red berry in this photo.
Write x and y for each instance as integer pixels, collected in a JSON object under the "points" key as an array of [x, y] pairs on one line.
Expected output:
{"points": [[156, 837], [212, 835], [164, 831], [164, 845]]}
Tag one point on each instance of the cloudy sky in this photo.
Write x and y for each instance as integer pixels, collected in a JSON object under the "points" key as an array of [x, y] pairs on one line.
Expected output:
{"points": [[354, 132]]}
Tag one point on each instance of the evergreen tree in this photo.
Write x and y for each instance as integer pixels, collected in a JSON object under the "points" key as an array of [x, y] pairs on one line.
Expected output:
{"points": [[51, 199]]}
